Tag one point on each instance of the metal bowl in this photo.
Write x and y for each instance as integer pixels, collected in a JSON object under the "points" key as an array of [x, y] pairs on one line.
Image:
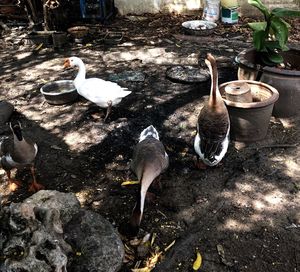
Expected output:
{"points": [[59, 92], [199, 27]]}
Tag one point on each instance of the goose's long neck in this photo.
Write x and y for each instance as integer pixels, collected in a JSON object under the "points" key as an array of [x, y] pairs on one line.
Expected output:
{"points": [[80, 75], [214, 91]]}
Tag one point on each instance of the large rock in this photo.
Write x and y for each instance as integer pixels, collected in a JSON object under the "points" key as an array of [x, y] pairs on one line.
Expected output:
{"points": [[43, 234], [66, 204], [99, 248]]}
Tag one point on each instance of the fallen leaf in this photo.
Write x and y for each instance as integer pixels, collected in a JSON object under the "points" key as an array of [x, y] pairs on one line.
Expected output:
{"points": [[39, 47], [221, 251], [144, 269], [197, 263], [152, 261], [169, 246], [56, 147], [146, 238], [130, 182], [153, 238]]}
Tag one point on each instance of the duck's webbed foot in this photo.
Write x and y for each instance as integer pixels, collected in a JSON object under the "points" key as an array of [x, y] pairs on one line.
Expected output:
{"points": [[35, 186]]}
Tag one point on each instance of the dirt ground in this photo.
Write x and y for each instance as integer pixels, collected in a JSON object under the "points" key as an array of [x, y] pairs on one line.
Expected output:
{"points": [[242, 215]]}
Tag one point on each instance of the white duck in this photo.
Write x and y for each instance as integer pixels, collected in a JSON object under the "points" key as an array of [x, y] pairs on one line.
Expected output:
{"points": [[103, 93], [212, 139]]}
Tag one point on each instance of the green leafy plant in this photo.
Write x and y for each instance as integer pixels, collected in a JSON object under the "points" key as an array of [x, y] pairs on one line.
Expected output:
{"points": [[271, 35]]}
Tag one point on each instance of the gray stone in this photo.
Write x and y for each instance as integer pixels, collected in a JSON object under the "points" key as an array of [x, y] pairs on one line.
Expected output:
{"points": [[33, 240], [43, 234], [98, 246], [66, 204]]}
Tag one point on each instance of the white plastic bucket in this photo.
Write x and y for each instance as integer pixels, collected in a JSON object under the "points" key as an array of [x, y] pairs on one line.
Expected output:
{"points": [[211, 11]]}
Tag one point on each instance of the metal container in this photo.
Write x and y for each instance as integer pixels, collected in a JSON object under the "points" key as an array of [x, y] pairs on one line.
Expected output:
{"points": [[199, 27], [229, 15], [59, 92]]}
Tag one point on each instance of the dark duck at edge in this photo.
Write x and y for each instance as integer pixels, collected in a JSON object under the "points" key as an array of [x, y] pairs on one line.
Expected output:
{"points": [[213, 126], [19, 152]]}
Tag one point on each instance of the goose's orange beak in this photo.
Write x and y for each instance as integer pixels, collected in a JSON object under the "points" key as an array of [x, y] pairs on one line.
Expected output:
{"points": [[67, 63]]}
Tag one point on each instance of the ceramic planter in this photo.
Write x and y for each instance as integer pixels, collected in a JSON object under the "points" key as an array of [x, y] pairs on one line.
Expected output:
{"points": [[249, 121], [287, 82]]}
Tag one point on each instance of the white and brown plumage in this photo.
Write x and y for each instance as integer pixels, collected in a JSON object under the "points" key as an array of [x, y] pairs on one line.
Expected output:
{"points": [[105, 94], [213, 126], [149, 161], [18, 152]]}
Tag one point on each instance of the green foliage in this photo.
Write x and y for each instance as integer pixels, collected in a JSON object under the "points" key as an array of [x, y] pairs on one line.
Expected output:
{"points": [[271, 35]]}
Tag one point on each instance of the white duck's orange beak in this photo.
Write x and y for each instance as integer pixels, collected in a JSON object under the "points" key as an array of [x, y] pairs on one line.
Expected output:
{"points": [[67, 63]]}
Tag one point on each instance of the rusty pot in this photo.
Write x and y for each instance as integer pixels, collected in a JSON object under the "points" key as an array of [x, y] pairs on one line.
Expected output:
{"points": [[249, 121], [287, 82]]}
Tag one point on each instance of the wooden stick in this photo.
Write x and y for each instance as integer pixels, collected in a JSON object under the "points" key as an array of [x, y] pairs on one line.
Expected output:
{"points": [[277, 146]]}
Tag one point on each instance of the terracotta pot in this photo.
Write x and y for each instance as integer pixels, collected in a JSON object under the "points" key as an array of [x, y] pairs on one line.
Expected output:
{"points": [[249, 121], [287, 82]]}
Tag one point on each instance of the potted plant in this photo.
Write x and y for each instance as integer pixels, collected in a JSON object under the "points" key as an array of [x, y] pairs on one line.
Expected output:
{"points": [[271, 61]]}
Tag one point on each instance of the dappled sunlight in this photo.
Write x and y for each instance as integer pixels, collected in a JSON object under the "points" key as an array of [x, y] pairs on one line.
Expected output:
{"points": [[50, 118], [287, 123], [188, 120], [292, 168], [265, 205], [84, 195], [157, 55], [22, 55], [235, 225], [276, 199], [83, 138]]}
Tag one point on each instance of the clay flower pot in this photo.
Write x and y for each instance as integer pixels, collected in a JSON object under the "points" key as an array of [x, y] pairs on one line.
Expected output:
{"points": [[287, 82], [249, 121]]}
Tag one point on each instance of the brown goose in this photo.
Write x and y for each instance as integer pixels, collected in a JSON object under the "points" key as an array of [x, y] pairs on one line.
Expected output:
{"points": [[149, 161], [18, 152], [212, 139]]}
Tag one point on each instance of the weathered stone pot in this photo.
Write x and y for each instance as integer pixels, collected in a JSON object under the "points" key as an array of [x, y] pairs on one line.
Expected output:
{"points": [[249, 121], [287, 82]]}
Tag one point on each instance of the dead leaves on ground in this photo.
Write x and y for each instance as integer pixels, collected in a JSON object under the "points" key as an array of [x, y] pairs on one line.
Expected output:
{"points": [[143, 254]]}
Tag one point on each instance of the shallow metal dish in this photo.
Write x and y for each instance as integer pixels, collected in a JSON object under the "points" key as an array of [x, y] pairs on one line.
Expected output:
{"points": [[59, 92], [199, 27]]}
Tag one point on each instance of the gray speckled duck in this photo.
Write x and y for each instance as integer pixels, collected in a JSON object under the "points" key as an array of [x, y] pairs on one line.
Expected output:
{"points": [[212, 139], [149, 161], [18, 152]]}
